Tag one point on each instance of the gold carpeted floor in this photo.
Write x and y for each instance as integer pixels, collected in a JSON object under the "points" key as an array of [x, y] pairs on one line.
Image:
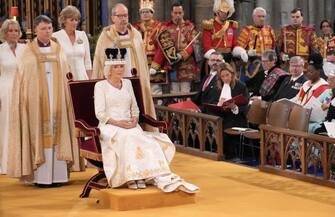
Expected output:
{"points": [[226, 190]]}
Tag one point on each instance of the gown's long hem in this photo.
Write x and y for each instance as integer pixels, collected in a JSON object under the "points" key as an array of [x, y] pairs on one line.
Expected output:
{"points": [[169, 183]]}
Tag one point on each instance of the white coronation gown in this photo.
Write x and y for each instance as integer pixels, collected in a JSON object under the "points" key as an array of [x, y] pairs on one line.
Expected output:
{"points": [[132, 154]]}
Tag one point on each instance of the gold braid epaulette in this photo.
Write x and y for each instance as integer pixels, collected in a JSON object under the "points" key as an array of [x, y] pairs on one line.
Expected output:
{"points": [[234, 23], [208, 24]]}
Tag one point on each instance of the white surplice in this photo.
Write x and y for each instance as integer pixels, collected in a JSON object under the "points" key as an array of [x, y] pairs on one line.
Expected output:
{"points": [[132, 154], [77, 54], [53, 170], [8, 68]]}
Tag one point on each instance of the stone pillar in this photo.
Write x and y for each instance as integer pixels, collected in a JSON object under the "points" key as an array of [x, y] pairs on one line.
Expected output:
{"points": [[267, 5], [286, 6], [203, 11], [159, 10], [244, 13]]}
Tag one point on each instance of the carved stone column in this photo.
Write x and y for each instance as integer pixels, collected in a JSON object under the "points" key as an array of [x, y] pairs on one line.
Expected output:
{"points": [[267, 5], [286, 6], [203, 11], [160, 10]]}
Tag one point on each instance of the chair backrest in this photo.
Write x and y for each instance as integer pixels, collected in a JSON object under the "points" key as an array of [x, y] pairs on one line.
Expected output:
{"points": [[257, 112], [299, 118], [82, 96], [136, 83], [278, 114]]}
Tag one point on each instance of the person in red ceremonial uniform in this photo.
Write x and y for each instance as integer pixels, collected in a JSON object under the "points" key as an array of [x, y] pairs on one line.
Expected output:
{"points": [[297, 39], [219, 33], [252, 41], [184, 69], [149, 28]]}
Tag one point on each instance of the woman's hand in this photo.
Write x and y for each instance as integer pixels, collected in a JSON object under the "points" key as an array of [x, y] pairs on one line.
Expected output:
{"points": [[127, 124], [230, 106], [325, 106]]}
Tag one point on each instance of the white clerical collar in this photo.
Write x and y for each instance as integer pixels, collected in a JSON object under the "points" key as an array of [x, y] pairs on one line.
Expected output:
{"points": [[225, 92]]}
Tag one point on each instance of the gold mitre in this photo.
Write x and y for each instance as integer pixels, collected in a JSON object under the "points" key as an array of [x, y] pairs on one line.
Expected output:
{"points": [[147, 4], [226, 6]]}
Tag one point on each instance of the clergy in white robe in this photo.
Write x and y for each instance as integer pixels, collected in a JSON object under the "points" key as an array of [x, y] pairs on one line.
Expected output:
{"points": [[41, 122], [130, 154], [74, 43], [123, 35], [10, 53]]}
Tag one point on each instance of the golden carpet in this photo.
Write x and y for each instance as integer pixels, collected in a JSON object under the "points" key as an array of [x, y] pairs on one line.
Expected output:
{"points": [[227, 190]]}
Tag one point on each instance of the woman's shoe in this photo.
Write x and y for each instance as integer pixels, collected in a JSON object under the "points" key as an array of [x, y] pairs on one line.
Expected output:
{"points": [[132, 185], [141, 184]]}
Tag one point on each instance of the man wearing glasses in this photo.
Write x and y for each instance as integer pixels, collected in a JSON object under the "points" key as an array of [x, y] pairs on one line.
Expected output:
{"points": [[292, 83], [121, 34], [209, 92]]}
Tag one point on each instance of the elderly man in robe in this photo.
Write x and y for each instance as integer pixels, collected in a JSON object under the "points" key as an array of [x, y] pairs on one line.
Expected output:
{"points": [[121, 34], [42, 131]]}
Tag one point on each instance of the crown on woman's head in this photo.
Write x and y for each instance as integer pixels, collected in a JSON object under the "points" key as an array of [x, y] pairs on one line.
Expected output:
{"points": [[115, 56]]}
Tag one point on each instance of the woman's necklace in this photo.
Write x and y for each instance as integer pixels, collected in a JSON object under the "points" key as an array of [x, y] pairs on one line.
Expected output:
{"points": [[117, 85]]}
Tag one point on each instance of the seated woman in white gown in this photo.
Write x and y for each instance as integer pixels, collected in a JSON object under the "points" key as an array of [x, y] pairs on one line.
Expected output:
{"points": [[130, 155]]}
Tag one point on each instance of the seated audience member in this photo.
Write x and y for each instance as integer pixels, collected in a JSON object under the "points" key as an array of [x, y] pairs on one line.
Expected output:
{"points": [[273, 76], [314, 92], [330, 104], [209, 92], [234, 116], [229, 87], [130, 155], [292, 84], [329, 63]]}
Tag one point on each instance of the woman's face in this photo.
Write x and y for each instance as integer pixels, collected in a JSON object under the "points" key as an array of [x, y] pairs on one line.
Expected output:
{"points": [[71, 23], [226, 76], [326, 28], [13, 33], [117, 71], [312, 73]]}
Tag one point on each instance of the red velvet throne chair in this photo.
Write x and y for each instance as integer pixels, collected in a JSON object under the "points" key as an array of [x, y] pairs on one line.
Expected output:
{"points": [[86, 123]]}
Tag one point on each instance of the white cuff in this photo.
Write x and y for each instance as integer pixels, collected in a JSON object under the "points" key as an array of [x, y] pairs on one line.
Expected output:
{"points": [[208, 53], [237, 51], [235, 110]]}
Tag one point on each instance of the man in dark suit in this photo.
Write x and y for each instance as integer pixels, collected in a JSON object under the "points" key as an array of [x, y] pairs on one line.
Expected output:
{"points": [[290, 87], [209, 92]]}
